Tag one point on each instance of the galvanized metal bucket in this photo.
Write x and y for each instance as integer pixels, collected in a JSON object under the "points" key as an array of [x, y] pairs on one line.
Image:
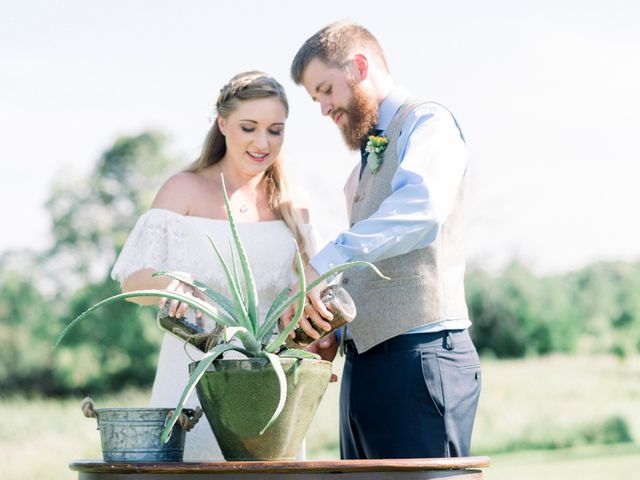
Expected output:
{"points": [[133, 434]]}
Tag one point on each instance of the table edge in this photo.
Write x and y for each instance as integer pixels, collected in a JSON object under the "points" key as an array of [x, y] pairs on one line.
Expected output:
{"points": [[341, 466]]}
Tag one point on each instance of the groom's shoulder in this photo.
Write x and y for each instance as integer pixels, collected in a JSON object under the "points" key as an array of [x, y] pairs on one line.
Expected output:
{"points": [[428, 114], [425, 109]]}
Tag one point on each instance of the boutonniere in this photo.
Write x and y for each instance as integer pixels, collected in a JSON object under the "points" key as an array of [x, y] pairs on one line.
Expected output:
{"points": [[375, 147]]}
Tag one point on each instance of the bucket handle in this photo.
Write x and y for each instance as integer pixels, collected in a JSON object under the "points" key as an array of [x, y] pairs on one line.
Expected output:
{"points": [[187, 419], [87, 408]]}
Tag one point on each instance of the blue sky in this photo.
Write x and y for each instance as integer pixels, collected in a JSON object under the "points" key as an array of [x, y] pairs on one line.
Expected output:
{"points": [[546, 92]]}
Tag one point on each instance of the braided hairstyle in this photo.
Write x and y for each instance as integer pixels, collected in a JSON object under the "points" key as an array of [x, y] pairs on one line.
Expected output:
{"points": [[250, 86]]}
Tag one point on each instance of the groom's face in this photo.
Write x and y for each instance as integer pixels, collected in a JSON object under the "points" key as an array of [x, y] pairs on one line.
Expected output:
{"points": [[343, 99]]}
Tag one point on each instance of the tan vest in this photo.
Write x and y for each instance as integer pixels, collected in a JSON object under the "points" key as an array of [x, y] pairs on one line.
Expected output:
{"points": [[427, 285]]}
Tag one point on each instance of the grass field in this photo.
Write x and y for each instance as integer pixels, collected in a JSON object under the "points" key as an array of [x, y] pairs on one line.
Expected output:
{"points": [[526, 407]]}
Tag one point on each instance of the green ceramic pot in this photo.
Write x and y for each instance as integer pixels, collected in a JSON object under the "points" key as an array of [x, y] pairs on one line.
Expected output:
{"points": [[239, 396]]}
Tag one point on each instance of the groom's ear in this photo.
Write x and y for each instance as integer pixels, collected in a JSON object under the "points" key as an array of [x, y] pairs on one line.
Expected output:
{"points": [[360, 66]]}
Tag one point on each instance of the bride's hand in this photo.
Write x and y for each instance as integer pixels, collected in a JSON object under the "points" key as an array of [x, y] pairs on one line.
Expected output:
{"points": [[327, 348], [176, 308]]}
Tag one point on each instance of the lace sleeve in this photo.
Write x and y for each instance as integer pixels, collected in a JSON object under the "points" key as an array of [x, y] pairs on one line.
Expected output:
{"points": [[150, 245]]}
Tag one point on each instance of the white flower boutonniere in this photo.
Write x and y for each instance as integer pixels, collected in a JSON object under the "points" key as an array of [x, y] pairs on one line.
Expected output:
{"points": [[375, 147]]}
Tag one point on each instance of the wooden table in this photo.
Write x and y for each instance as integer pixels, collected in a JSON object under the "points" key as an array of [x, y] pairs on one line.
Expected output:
{"points": [[467, 468]]}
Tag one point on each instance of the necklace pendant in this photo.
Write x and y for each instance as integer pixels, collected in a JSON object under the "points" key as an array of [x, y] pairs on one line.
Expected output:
{"points": [[243, 208]]}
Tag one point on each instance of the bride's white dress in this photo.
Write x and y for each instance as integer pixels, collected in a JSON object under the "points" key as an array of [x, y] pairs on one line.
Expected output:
{"points": [[165, 240]]}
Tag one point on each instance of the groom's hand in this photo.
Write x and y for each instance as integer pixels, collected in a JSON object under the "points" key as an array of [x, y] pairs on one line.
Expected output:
{"points": [[314, 310]]}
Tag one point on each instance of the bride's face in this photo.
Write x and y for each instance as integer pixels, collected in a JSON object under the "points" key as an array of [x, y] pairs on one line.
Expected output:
{"points": [[254, 133]]}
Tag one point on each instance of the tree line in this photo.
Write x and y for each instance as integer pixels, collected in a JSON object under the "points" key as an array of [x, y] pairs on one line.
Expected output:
{"points": [[514, 313]]}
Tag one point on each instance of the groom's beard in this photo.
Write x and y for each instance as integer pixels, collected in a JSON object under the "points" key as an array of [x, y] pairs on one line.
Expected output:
{"points": [[362, 116]]}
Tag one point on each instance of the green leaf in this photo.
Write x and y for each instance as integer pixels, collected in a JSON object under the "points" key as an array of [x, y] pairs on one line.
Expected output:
{"points": [[345, 266], [271, 319], [282, 380], [279, 340], [277, 313], [196, 303], [250, 342], [217, 297], [297, 353], [194, 378], [251, 291], [235, 269], [230, 332], [241, 311]]}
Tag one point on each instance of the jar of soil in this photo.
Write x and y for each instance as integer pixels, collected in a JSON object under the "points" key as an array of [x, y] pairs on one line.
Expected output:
{"points": [[340, 304]]}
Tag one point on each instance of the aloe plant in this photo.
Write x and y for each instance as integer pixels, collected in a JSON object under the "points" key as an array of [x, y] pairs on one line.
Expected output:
{"points": [[238, 314]]}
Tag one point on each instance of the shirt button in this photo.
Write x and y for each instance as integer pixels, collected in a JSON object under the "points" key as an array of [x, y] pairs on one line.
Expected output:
{"points": [[365, 250], [397, 239], [331, 265]]}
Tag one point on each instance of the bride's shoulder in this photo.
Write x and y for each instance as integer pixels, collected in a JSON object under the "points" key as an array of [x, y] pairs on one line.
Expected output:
{"points": [[178, 192]]}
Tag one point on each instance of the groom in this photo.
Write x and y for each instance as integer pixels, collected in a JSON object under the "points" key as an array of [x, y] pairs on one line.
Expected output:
{"points": [[411, 379]]}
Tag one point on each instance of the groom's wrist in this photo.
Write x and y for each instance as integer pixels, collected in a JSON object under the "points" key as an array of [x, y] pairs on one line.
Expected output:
{"points": [[327, 258]]}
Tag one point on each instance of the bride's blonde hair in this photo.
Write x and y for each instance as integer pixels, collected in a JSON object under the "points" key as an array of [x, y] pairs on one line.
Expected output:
{"points": [[249, 86]]}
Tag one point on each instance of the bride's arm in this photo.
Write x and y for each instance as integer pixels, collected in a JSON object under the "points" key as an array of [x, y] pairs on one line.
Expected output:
{"points": [[173, 195], [143, 280]]}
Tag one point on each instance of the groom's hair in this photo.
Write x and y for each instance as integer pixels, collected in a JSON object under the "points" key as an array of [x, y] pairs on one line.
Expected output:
{"points": [[333, 45]]}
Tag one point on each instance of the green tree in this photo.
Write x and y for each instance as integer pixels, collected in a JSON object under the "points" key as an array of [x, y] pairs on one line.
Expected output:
{"points": [[91, 218], [516, 314], [608, 297], [27, 323]]}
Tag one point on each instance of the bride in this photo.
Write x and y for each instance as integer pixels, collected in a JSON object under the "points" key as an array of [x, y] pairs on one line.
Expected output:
{"points": [[244, 144]]}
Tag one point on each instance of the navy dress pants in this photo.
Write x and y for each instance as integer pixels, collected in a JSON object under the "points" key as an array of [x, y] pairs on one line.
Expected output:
{"points": [[413, 396]]}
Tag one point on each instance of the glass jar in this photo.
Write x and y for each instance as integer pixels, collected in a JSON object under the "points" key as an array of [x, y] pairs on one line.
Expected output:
{"points": [[203, 333], [340, 304]]}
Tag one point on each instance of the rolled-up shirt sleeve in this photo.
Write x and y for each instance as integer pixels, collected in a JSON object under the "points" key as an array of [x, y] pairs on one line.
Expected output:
{"points": [[432, 162]]}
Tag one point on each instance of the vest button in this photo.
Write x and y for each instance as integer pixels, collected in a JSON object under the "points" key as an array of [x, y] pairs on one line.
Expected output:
{"points": [[345, 281]]}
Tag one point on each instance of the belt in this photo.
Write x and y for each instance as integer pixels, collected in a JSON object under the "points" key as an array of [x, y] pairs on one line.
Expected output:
{"points": [[405, 342]]}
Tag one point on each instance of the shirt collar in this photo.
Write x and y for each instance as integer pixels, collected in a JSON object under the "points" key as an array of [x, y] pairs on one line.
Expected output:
{"points": [[390, 105]]}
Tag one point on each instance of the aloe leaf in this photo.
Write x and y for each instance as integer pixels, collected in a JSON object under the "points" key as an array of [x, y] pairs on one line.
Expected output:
{"points": [[335, 270], [196, 303], [230, 332], [243, 316], [236, 275], [249, 341], [282, 380], [301, 294], [217, 297], [270, 320], [251, 292], [194, 378], [345, 266], [296, 353], [279, 340]]}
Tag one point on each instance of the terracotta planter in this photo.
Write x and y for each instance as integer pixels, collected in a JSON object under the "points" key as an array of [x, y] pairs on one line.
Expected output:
{"points": [[239, 396]]}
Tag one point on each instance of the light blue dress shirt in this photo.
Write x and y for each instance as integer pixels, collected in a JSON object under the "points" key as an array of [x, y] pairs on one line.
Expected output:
{"points": [[432, 159]]}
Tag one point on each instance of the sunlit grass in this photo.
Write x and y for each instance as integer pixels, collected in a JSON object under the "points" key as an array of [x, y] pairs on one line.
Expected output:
{"points": [[530, 403], [584, 463], [534, 403], [39, 438]]}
